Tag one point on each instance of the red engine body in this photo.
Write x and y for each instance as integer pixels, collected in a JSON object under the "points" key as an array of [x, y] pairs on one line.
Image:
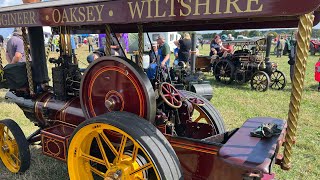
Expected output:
{"points": [[317, 72]]}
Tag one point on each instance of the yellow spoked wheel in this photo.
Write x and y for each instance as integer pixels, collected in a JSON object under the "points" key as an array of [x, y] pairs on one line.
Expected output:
{"points": [[143, 152], [14, 148], [206, 113]]}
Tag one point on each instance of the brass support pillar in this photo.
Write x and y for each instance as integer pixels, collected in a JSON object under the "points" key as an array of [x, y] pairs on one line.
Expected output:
{"points": [[28, 63], [140, 40], [302, 52], [108, 40]]}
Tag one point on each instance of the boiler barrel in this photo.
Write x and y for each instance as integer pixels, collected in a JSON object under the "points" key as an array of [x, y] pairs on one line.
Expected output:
{"points": [[204, 90]]}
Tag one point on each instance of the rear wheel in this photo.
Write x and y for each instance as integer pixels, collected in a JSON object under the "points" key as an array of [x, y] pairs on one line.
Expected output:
{"points": [[206, 113], [143, 151], [223, 71], [14, 152]]}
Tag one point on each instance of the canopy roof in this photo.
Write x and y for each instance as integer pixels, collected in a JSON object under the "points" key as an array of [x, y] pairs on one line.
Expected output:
{"points": [[159, 15]]}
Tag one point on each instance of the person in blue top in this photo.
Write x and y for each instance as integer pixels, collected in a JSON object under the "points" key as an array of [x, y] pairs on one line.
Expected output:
{"points": [[73, 45], [163, 56]]}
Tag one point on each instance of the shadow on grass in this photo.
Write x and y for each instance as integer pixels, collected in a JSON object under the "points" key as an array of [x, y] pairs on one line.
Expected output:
{"points": [[41, 167]]}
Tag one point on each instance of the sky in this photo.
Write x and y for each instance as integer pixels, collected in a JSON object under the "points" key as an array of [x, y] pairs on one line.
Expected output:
{"points": [[15, 2]]}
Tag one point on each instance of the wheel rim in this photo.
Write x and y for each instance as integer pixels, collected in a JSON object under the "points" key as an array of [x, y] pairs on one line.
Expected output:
{"points": [[278, 80], [260, 81], [117, 162], [9, 151], [170, 95], [224, 72]]}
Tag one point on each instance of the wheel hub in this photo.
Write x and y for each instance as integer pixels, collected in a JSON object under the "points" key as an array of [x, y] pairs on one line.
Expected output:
{"points": [[5, 148], [114, 101]]}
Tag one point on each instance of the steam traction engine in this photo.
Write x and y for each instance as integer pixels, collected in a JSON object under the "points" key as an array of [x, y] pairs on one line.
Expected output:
{"points": [[249, 64]]}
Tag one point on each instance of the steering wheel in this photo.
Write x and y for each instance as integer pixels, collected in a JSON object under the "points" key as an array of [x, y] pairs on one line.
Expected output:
{"points": [[170, 95]]}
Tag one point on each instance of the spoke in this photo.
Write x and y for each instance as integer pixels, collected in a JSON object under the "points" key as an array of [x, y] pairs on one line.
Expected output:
{"points": [[103, 153], [91, 158], [166, 90], [175, 99], [198, 119], [121, 148], [107, 141], [16, 159], [97, 172], [143, 168], [166, 95], [135, 153]]}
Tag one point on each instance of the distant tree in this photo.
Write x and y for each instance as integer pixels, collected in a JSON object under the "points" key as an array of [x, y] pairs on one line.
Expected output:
{"points": [[316, 33], [228, 32], [244, 33], [254, 33], [236, 34]]}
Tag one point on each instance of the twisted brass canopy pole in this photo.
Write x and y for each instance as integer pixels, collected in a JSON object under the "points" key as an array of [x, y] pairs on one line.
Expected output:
{"points": [[302, 52], [140, 39], [108, 40], [28, 62]]}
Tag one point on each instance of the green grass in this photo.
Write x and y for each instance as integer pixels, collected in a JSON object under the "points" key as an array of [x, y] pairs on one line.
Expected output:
{"points": [[235, 102]]}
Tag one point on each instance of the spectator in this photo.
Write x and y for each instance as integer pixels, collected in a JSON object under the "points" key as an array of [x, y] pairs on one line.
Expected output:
{"points": [[116, 46], [184, 48], [214, 47], [90, 43], [1, 41], [153, 53], [99, 53], [176, 53], [280, 46], [15, 48], [163, 51], [73, 45], [230, 38], [317, 73], [292, 56]]}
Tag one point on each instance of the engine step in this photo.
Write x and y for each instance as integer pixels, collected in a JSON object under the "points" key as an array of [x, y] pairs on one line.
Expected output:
{"points": [[55, 141]]}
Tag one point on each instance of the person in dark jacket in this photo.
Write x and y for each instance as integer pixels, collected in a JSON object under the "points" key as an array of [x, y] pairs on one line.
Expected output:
{"points": [[184, 48], [292, 55]]}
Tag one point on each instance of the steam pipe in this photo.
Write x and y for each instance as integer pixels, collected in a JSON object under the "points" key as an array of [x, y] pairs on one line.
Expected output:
{"points": [[268, 48]]}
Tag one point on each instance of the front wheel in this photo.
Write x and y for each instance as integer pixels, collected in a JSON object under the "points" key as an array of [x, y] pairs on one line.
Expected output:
{"points": [[260, 81], [278, 80], [14, 152], [223, 71], [121, 145]]}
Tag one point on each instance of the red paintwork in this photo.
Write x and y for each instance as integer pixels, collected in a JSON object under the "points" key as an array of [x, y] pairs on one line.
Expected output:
{"points": [[112, 76], [317, 72]]}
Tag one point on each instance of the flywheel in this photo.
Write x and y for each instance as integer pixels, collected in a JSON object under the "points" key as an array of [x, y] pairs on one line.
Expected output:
{"points": [[115, 84]]}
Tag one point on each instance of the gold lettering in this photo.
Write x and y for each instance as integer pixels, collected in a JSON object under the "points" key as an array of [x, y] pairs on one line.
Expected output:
{"points": [[136, 8], [171, 8], [56, 16], [249, 6], [5, 21], [157, 10], [73, 18], [90, 16], [13, 17], [81, 13], [187, 6], [32, 16], [217, 7], [234, 4], [20, 18], [25, 17], [149, 9], [99, 11], [64, 16], [206, 4], [8, 19]]}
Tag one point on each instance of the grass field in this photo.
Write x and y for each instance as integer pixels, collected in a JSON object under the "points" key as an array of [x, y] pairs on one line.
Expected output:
{"points": [[235, 102]]}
